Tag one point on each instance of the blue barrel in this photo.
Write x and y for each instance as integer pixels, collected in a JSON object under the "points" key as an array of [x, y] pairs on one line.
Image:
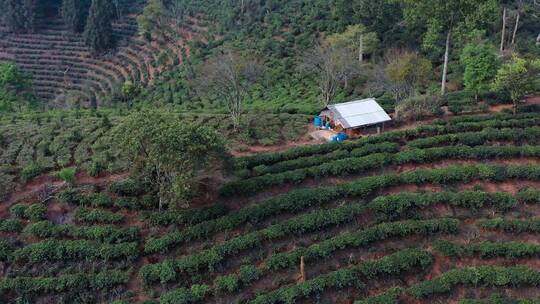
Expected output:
{"points": [[340, 137], [317, 121]]}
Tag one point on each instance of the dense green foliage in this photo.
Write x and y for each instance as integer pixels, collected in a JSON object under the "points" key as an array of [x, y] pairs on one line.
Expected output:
{"points": [[98, 30], [168, 154]]}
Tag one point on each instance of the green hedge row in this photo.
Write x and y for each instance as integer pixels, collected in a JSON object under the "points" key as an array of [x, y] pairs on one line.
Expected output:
{"points": [[492, 276], [102, 200], [474, 123], [511, 225], [208, 260], [6, 250], [495, 117], [82, 250], [388, 297], [517, 135], [498, 299], [184, 295], [529, 196], [404, 203], [360, 238], [487, 249], [108, 234], [34, 212], [187, 217], [390, 265], [96, 216], [297, 200], [314, 160], [486, 276], [102, 281], [375, 161], [10, 225], [127, 187]]}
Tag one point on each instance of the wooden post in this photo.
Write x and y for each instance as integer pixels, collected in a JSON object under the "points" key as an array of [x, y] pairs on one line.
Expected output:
{"points": [[378, 129]]}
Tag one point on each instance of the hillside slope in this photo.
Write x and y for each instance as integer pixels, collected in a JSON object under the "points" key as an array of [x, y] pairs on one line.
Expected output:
{"points": [[411, 208]]}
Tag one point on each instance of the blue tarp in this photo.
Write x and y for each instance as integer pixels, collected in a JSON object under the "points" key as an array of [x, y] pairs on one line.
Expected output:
{"points": [[340, 137]]}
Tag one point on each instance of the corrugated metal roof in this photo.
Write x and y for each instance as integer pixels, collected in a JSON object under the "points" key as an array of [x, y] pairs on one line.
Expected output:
{"points": [[359, 113]]}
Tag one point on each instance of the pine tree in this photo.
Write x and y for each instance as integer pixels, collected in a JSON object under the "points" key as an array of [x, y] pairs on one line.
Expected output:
{"points": [[98, 31], [74, 14]]}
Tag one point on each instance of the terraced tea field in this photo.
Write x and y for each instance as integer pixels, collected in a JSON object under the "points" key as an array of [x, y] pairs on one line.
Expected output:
{"points": [[60, 62], [447, 212]]}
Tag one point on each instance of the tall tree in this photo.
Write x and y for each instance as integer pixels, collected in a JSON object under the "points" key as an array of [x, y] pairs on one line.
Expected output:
{"points": [[333, 65], [74, 13], [379, 16], [168, 153], [357, 38], [154, 18], [450, 19], [98, 33], [14, 87], [230, 77], [518, 78], [481, 64], [406, 73]]}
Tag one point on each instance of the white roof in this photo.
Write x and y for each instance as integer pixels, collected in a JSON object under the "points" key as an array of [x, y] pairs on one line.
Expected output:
{"points": [[359, 113]]}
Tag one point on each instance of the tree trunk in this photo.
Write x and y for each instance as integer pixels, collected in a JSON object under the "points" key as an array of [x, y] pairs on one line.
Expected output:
{"points": [[361, 49], [515, 29], [503, 34], [302, 270], [446, 57]]}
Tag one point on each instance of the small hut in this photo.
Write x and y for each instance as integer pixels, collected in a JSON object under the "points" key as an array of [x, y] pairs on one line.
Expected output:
{"points": [[356, 117]]}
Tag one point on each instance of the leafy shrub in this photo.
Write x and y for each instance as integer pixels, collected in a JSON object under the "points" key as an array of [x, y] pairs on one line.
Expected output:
{"points": [[34, 212], [511, 225], [529, 196], [489, 276], [184, 295], [66, 174], [127, 187], [10, 225], [100, 281], [29, 172], [249, 273], [487, 250], [5, 250], [108, 234], [187, 217], [228, 283], [73, 250], [96, 216]]}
